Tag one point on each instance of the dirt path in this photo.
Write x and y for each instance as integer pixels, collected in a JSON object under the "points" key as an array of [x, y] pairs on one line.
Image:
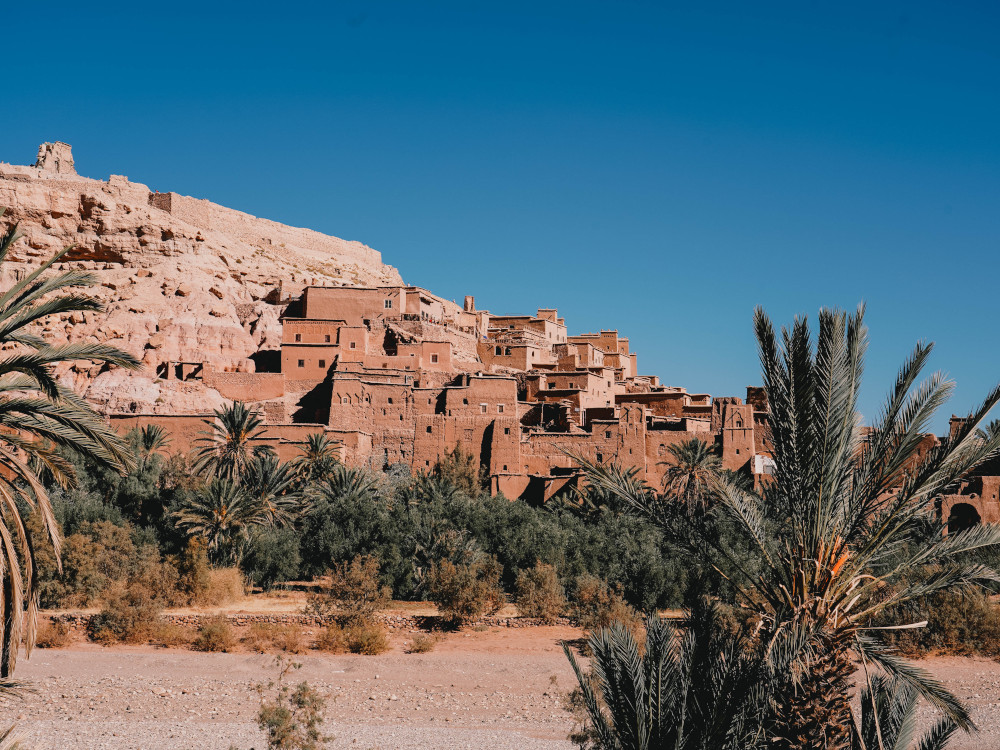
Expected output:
{"points": [[501, 689]]}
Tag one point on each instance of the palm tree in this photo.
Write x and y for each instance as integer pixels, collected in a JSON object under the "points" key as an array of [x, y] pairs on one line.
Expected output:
{"points": [[271, 484], [689, 475], [346, 484], [889, 719], [319, 457], [38, 419], [223, 515], [153, 439], [699, 688], [836, 534], [228, 446]]}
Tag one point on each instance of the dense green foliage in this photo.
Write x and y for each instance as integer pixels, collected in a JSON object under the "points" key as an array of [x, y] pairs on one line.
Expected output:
{"points": [[120, 527]]}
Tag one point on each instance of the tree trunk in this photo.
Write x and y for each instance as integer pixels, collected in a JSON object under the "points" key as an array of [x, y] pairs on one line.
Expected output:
{"points": [[816, 713]]}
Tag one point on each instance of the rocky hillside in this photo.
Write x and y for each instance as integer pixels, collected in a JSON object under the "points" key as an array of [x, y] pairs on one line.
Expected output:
{"points": [[184, 280]]}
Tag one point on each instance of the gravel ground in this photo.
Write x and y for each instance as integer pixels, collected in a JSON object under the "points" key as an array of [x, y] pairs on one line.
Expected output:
{"points": [[501, 689], [497, 689]]}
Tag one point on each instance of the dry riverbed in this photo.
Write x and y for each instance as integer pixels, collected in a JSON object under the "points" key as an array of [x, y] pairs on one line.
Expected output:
{"points": [[501, 688]]}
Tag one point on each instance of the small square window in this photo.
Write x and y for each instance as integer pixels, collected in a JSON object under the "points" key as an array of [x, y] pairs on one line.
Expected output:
{"points": [[302, 363], [354, 344], [507, 351], [390, 399], [326, 338], [499, 408], [465, 402], [505, 467], [607, 434], [298, 336], [600, 458], [552, 385], [499, 350], [388, 304], [428, 429], [322, 363], [428, 401], [506, 430], [434, 358], [482, 408]]}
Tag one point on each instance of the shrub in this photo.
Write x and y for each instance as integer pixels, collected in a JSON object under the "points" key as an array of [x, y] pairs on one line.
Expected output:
{"points": [[292, 718], [130, 615], [333, 639], [225, 585], [366, 639], [539, 593], [215, 634], [422, 643], [957, 623], [265, 636], [272, 557], [354, 592], [466, 591], [597, 605], [53, 634], [194, 571], [169, 635]]}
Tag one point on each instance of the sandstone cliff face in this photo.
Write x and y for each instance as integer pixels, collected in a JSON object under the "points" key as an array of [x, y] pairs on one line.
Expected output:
{"points": [[184, 280]]}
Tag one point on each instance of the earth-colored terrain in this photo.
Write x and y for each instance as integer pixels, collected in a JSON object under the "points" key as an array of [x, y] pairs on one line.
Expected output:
{"points": [[498, 688], [183, 280]]}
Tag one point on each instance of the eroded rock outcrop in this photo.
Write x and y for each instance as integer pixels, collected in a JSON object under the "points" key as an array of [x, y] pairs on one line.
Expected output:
{"points": [[184, 280]]}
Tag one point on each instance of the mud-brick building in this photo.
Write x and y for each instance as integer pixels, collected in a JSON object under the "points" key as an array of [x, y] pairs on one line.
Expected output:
{"points": [[397, 375]]}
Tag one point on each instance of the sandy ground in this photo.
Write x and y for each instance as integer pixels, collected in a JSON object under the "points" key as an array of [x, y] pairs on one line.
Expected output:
{"points": [[501, 688]]}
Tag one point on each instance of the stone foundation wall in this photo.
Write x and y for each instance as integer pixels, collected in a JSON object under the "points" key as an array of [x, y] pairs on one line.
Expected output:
{"points": [[79, 621]]}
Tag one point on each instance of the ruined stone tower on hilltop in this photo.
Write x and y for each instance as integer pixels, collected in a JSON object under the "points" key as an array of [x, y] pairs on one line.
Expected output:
{"points": [[56, 157]]}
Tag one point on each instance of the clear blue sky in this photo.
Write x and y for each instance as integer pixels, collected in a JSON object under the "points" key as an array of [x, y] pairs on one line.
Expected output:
{"points": [[659, 168]]}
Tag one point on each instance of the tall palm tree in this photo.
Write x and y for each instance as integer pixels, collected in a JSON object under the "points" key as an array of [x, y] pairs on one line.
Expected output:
{"points": [[689, 475], [228, 446], [272, 485], [318, 459], [889, 719], [39, 418], [223, 515], [836, 535]]}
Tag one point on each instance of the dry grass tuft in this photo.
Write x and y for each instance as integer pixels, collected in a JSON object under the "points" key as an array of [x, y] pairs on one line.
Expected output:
{"points": [[53, 634], [215, 634]]}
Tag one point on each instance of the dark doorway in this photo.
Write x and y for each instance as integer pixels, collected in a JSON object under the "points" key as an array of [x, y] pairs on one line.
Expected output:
{"points": [[963, 516]]}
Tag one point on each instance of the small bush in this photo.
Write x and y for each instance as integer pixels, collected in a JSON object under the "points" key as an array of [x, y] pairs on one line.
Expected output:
{"points": [[333, 639], [225, 585], [539, 593], [267, 636], [53, 634], [597, 605], [354, 592], [292, 718], [169, 635], [367, 639], [130, 615], [194, 571], [959, 623], [422, 643], [465, 592], [215, 634]]}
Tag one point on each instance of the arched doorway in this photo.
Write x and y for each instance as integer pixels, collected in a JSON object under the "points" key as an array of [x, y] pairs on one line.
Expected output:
{"points": [[963, 516]]}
